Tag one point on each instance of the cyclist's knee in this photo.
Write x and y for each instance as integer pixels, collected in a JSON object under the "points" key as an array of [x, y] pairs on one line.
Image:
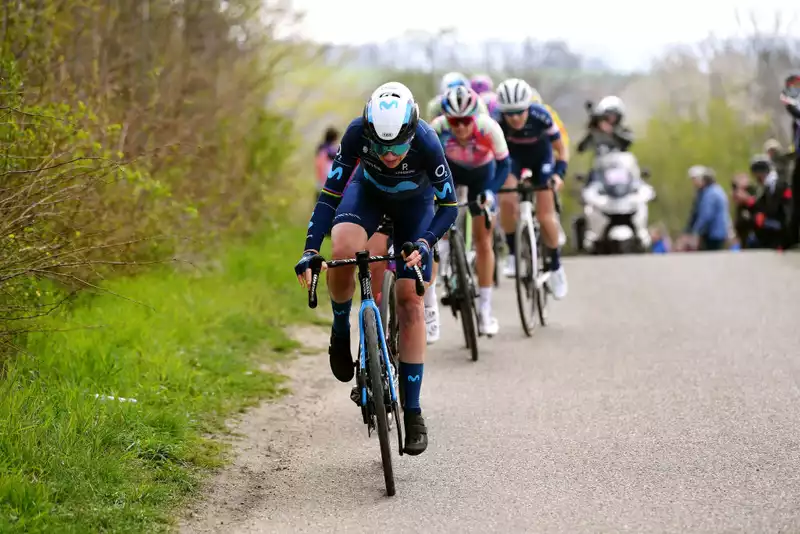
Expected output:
{"points": [[410, 307], [346, 240]]}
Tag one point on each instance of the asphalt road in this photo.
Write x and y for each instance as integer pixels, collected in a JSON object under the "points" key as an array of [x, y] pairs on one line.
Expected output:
{"points": [[663, 397]]}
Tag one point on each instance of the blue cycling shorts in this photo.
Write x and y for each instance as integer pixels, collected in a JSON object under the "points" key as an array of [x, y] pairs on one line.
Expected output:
{"points": [[365, 206], [541, 164]]}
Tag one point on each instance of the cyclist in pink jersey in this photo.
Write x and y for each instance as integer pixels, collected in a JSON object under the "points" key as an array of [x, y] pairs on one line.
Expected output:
{"points": [[477, 154]]}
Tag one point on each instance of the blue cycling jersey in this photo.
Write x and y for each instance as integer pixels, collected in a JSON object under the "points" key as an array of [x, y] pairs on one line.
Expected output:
{"points": [[531, 144], [423, 168]]}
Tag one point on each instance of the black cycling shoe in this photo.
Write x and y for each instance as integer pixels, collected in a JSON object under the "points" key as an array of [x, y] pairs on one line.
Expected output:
{"points": [[340, 358], [416, 434]]}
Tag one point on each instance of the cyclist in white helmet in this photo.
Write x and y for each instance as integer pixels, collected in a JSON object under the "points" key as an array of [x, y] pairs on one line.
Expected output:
{"points": [[478, 156], [398, 168], [450, 81], [532, 136]]}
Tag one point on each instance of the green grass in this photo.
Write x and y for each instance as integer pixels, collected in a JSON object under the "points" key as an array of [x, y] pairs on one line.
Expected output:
{"points": [[72, 463]]}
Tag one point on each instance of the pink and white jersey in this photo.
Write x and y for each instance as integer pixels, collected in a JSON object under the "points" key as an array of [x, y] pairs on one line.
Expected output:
{"points": [[487, 142]]}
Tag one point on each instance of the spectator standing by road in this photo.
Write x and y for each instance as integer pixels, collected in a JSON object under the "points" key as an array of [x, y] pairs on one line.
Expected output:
{"points": [[781, 159], [709, 220], [326, 152], [743, 196], [790, 97], [772, 210]]}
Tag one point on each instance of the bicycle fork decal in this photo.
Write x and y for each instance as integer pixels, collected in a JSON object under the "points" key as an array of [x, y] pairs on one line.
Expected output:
{"points": [[370, 303]]}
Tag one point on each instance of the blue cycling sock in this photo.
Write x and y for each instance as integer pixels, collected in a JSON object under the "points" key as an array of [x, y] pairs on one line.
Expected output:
{"points": [[510, 243], [555, 259], [341, 317], [411, 375]]}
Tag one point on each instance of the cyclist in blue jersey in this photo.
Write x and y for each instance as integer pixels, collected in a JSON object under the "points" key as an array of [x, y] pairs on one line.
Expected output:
{"points": [[402, 169], [532, 135]]}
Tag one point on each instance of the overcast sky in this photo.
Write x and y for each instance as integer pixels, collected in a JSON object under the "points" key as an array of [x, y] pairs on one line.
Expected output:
{"points": [[625, 33]]}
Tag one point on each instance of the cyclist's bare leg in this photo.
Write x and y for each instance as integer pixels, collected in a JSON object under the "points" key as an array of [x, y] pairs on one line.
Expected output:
{"points": [[509, 206], [485, 252], [378, 245], [550, 225], [546, 214], [411, 321], [346, 240]]}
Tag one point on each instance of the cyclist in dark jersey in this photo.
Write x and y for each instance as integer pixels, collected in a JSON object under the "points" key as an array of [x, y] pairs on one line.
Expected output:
{"points": [[402, 169]]}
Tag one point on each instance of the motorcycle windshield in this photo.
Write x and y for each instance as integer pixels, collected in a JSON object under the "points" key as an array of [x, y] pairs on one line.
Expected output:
{"points": [[617, 182]]}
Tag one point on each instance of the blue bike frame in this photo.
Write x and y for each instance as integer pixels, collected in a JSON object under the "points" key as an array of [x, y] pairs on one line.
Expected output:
{"points": [[362, 360]]}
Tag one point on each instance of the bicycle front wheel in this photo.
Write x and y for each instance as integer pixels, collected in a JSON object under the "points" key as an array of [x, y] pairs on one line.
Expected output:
{"points": [[466, 297], [378, 395], [527, 271]]}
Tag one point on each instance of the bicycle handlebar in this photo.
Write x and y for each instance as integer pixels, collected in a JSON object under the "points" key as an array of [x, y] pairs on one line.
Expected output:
{"points": [[316, 261], [487, 221], [525, 185]]}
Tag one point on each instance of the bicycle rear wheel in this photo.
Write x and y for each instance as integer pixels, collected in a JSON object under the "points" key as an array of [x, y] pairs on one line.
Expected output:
{"points": [[465, 295], [378, 395], [527, 271]]}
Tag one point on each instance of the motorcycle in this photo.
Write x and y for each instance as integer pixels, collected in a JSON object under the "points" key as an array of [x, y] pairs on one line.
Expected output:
{"points": [[615, 205]]}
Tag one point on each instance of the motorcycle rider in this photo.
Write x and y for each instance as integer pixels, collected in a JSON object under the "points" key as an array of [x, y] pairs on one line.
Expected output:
{"points": [[605, 132]]}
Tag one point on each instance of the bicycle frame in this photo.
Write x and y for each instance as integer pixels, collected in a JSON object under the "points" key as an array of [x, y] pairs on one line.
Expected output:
{"points": [[362, 261], [527, 211]]}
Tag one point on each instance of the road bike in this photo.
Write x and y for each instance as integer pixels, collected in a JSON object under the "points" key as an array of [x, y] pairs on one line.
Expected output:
{"points": [[459, 281], [530, 258], [376, 373]]}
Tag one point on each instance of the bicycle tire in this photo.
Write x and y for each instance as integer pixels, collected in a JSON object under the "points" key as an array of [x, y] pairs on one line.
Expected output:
{"points": [[497, 248], [541, 294], [466, 297], [376, 386], [525, 278], [388, 313]]}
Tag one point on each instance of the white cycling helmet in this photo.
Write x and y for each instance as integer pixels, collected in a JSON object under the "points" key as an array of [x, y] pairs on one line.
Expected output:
{"points": [[391, 115], [610, 104], [452, 79], [514, 95], [460, 102]]}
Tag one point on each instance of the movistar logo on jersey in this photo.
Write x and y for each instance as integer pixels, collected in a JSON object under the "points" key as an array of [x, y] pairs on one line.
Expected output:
{"points": [[335, 173], [443, 193], [415, 378], [388, 105]]}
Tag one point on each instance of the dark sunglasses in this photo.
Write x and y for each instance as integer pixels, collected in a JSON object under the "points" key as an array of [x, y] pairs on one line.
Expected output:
{"points": [[397, 150], [459, 121], [514, 113]]}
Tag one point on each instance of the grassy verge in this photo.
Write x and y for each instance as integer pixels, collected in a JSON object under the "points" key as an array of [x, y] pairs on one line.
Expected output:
{"points": [[70, 462]]}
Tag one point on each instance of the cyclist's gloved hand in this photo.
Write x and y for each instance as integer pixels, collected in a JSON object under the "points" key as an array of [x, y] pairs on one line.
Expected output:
{"points": [[419, 256], [302, 267]]}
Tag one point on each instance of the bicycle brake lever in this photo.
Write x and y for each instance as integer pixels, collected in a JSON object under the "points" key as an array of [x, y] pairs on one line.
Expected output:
{"points": [[316, 266], [409, 248]]}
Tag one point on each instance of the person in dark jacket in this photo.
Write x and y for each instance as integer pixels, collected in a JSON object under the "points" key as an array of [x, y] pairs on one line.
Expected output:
{"points": [[606, 128], [790, 97], [743, 195], [772, 209]]}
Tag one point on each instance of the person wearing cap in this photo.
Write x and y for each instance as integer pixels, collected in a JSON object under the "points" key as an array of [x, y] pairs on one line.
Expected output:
{"points": [[780, 158], [772, 210], [709, 220]]}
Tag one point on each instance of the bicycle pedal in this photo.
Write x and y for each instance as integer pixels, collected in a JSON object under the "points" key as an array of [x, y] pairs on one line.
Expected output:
{"points": [[354, 396]]}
